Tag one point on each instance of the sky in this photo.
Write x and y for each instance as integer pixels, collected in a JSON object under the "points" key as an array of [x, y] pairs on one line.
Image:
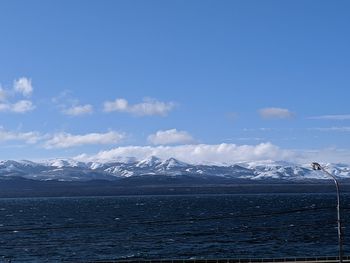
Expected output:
{"points": [[203, 81]]}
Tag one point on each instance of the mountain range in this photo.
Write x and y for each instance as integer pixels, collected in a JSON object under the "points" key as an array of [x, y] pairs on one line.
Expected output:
{"points": [[153, 167]]}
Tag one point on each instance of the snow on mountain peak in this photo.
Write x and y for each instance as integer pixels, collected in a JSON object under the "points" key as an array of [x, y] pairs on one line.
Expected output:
{"points": [[59, 163], [149, 162], [172, 163]]}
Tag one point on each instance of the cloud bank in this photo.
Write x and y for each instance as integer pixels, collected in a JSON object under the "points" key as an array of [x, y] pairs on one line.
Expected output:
{"points": [[67, 140], [78, 110], [71, 106], [275, 113], [340, 117], [27, 137], [332, 129], [21, 106], [171, 136], [197, 154], [149, 107]]}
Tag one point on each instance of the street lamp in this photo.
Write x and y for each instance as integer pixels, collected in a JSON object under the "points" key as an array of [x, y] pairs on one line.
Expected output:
{"points": [[317, 166]]}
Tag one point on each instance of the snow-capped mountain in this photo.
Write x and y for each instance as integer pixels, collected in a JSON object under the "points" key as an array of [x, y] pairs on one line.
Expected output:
{"points": [[72, 170], [148, 162]]}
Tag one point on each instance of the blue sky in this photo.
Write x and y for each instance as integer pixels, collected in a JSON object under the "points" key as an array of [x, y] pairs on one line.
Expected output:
{"points": [[88, 76]]}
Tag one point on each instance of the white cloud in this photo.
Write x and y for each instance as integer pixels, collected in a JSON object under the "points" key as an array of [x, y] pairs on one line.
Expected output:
{"points": [[4, 107], [340, 117], [275, 113], [326, 155], [27, 137], [117, 105], [23, 86], [67, 140], [60, 140], [198, 154], [148, 107], [71, 106], [3, 94], [21, 106], [78, 110], [171, 136], [332, 129]]}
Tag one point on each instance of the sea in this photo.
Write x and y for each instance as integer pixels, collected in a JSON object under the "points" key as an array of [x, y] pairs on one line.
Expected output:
{"points": [[82, 229]]}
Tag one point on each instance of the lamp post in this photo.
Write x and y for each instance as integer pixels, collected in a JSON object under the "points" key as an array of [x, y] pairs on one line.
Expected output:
{"points": [[317, 166]]}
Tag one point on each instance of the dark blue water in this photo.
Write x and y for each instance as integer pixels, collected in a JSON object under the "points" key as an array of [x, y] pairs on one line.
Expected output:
{"points": [[151, 227]]}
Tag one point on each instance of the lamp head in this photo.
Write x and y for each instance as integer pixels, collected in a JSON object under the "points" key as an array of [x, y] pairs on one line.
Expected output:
{"points": [[316, 166]]}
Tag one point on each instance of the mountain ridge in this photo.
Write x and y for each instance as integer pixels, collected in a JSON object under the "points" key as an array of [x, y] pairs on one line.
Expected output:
{"points": [[65, 169]]}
